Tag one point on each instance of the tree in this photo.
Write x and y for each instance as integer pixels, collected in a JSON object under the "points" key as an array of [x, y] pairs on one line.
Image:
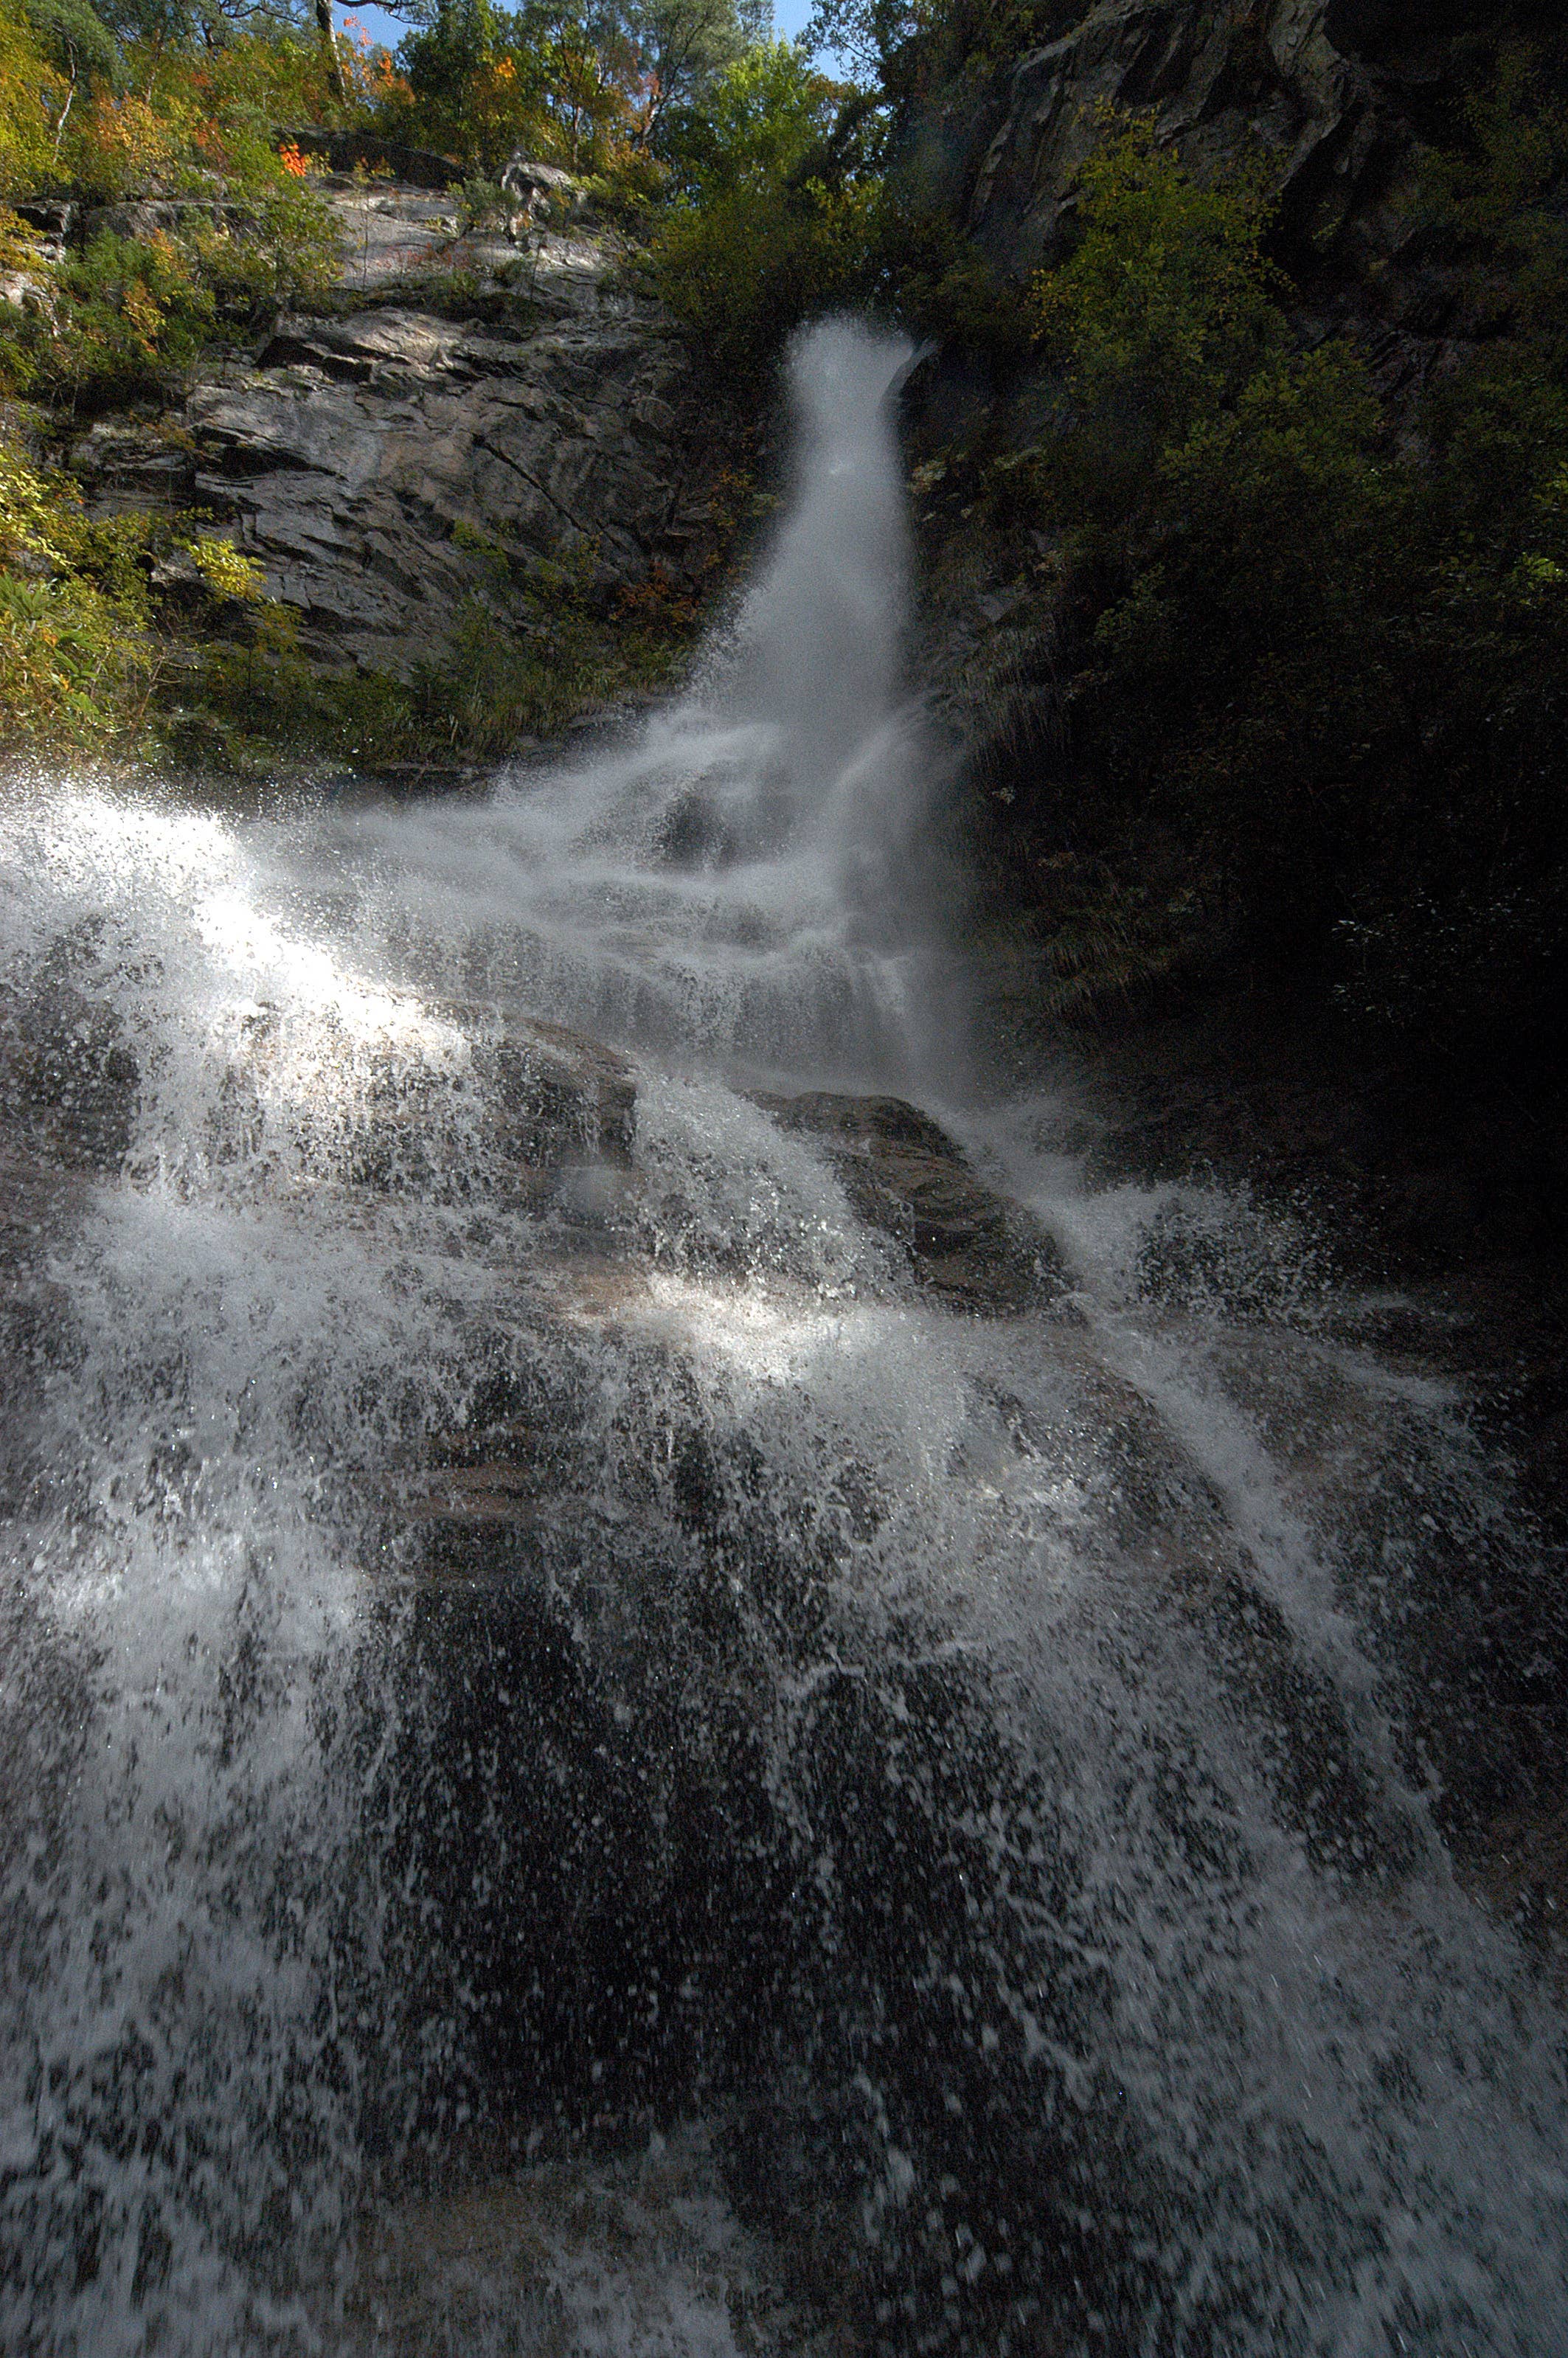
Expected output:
{"points": [[330, 50], [682, 44]]}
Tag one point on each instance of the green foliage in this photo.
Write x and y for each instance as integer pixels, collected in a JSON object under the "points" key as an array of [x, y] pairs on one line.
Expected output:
{"points": [[911, 48], [92, 656], [76, 663], [557, 653], [242, 708], [1500, 192], [284, 252], [1314, 687], [33, 96], [127, 318], [69, 672], [761, 119], [1159, 319], [73, 37], [123, 318], [773, 221], [481, 204], [578, 82], [135, 315], [940, 282]]}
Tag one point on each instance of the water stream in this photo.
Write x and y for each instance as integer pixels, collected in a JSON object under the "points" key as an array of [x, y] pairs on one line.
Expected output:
{"points": [[586, 1764]]}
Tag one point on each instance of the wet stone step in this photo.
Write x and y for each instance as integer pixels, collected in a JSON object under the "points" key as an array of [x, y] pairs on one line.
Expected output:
{"points": [[970, 1247]]}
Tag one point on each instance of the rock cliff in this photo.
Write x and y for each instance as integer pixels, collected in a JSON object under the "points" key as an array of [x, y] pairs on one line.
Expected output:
{"points": [[468, 399], [1335, 100], [1336, 97]]}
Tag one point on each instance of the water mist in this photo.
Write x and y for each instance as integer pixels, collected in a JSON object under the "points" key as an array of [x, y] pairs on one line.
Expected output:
{"points": [[588, 1769]]}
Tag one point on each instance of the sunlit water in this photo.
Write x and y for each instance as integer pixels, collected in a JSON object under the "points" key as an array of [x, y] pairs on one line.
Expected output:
{"points": [[906, 1833]]}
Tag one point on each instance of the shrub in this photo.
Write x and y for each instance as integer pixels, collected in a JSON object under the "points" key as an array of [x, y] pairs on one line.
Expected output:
{"points": [[286, 251], [120, 146], [70, 675], [1311, 688], [133, 317], [1163, 313], [773, 218], [76, 662], [32, 103]]}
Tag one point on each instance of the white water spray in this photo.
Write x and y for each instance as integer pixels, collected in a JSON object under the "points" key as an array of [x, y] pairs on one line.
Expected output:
{"points": [[585, 1772]]}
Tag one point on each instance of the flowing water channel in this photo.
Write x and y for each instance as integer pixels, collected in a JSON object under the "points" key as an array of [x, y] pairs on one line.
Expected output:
{"points": [[601, 1753]]}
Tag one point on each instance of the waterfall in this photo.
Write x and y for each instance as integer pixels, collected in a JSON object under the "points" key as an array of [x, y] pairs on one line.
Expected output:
{"points": [[590, 1764]]}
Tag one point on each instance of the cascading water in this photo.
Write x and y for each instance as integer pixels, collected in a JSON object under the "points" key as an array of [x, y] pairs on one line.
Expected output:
{"points": [[587, 1769]]}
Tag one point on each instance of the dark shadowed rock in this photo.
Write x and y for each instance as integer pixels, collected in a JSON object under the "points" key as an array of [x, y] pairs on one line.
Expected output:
{"points": [[561, 1096], [1332, 101], [973, 1248], [367, 151], [68, 1082]]}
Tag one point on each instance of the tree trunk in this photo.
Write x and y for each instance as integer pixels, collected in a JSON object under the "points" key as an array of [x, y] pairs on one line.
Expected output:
{"points": [[329, 43]]}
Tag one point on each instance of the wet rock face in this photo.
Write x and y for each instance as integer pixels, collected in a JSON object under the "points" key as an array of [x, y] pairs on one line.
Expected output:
{"points": [[556, 1106], [358, 453], [970, 1247], [562, 1093], [68, 1081], [376, 465]]}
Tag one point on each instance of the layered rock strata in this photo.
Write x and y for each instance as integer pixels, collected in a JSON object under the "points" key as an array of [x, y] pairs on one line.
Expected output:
{"points": [[382, 464]]}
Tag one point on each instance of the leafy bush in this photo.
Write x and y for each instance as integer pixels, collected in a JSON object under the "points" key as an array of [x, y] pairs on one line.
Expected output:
{"points": [[122, 146], [32, 103], [1163, 313], [70, 672], [282, 251], [134, 315], [1498, 191], [772, 217], [559, 651], [1312, 687], [76, 662]]}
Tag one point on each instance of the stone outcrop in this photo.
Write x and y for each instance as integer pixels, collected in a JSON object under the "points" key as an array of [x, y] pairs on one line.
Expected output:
{"points": [[968, 1246], [378, 463], [366, 151], [536, 190], [357, 454]]}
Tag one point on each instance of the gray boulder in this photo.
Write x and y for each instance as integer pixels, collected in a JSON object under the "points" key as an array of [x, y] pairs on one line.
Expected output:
{"points": [[542, 189], [968, 1246]]}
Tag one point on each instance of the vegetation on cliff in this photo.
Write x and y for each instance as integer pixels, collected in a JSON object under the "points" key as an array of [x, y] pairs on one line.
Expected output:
{"points": [[1300, 682], [158, 212]]}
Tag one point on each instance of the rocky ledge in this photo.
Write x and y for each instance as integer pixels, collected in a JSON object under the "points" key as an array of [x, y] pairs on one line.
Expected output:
{"points": [[966, 1246], [471, 400]]}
